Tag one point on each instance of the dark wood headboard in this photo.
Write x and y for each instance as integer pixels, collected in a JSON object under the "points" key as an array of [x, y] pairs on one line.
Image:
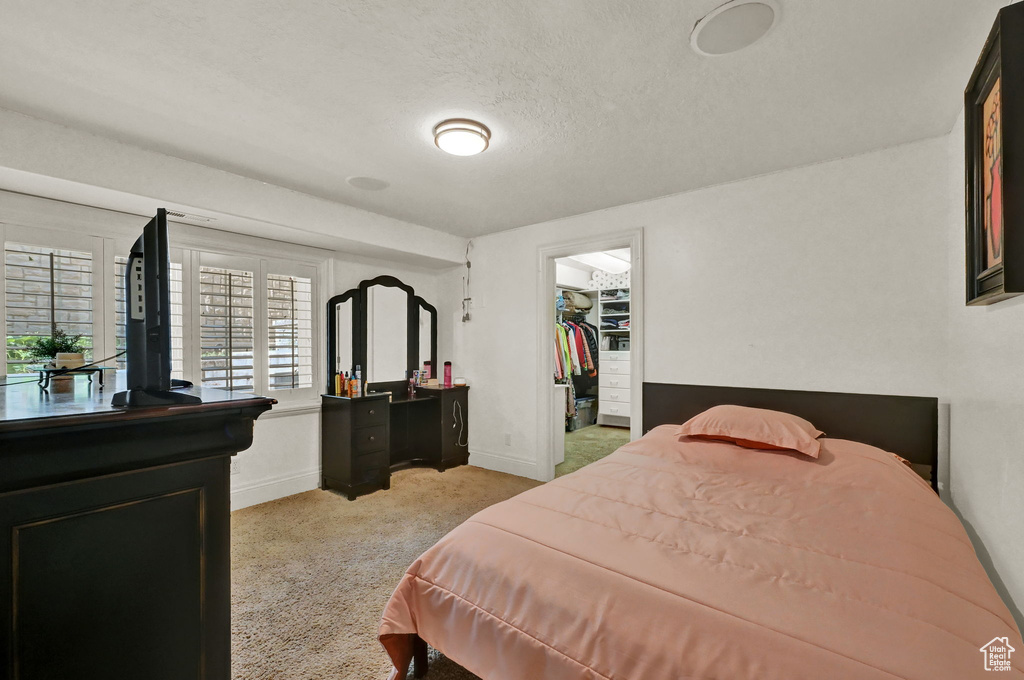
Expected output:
{"points": [[906, 426]]}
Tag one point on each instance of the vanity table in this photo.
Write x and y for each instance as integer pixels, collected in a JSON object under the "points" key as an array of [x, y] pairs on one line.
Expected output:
{"points": [[386, 329]]}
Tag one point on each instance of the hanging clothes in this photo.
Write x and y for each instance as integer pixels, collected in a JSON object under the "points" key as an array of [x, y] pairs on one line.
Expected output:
{"points": [[590, 347], [563, 358], [575, 361], [574, 347]]}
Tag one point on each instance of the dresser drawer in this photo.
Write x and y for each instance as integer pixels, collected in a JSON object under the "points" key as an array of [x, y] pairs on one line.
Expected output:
{"points": [[615, 380], [615, 355], [613, 408], [613, 368], [372, 412], [367, 439], [378, 460], [369, 475], [613, 394]]}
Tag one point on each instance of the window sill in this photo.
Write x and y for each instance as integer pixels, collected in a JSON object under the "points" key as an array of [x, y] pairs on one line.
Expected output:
{"points": [[292, 408]]}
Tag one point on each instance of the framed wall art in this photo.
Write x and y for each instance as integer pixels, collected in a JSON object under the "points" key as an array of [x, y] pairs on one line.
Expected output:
{"points": [[994, 129]]}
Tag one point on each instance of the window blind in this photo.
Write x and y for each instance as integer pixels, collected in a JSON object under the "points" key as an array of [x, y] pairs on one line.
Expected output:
{"points": [[226, 328], [177, 325], [46, 289], [289, 332]]}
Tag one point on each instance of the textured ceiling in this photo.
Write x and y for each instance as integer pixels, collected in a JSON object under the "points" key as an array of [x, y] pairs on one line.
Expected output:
{"points": [[592, 103]]}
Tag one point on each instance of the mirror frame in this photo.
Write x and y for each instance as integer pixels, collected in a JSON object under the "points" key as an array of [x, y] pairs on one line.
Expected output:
{"points": [[359, 326], [332, 332], [414, 329]]}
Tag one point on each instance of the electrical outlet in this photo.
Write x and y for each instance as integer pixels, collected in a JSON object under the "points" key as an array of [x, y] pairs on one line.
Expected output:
{"points": [[508, 439], [236, 466]]}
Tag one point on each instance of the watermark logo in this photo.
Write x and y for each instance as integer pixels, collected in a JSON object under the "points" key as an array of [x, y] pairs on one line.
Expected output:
{"points": [[997, 654]]}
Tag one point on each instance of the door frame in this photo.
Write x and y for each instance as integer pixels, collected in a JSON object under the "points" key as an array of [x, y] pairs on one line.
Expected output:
{"points": [[546, 256]]}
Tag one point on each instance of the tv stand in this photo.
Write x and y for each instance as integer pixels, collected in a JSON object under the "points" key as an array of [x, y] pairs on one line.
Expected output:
{"points": [[115, 533]]}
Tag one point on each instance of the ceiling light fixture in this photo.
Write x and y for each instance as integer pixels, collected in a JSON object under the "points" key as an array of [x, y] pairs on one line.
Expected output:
{"points": [[733, 26], [461, 136]]}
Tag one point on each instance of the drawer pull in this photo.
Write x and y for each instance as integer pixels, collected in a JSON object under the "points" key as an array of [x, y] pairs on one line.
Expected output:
{"points": [[371, 438], [372, 411]]}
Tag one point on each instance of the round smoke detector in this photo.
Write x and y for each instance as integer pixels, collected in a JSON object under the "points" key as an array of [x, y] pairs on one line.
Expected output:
{"points": [[733, 26]]}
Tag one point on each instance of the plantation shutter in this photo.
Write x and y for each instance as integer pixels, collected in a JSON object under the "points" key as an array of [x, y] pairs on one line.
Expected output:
{"points": [[289, 332], [226, 332], [45, 289]]}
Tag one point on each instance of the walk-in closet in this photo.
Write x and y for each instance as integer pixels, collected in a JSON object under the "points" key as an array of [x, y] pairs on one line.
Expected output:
{"points": [[592, 335]]}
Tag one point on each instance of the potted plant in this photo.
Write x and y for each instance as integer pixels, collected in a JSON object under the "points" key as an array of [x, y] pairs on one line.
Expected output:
{"points": [[60, 350]]}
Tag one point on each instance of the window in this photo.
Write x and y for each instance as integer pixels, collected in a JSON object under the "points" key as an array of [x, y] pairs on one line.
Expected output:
{"points": [[46, 289], [226, 328], [177, 326], [289, 332]]}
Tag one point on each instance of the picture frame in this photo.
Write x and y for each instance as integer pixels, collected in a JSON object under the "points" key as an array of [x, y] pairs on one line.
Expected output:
{"points": [[994, 147]]}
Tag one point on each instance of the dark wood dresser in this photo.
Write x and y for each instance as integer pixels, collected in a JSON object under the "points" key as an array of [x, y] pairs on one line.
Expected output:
{"points": [[354, 442], [115, 534], [364, 439]]}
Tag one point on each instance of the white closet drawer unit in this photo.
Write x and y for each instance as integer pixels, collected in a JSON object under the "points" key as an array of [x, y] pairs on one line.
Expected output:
{"points": [[613, 368], [622, 355], [613, 408], [617, 380], [612, 394]]}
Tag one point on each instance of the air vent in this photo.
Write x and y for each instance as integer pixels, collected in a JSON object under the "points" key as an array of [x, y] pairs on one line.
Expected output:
{"points": [[190, 217]]}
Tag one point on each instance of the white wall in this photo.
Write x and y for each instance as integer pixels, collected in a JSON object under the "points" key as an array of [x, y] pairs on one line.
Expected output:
{"points": [[826, 277], [986, 390], [284, 458]]}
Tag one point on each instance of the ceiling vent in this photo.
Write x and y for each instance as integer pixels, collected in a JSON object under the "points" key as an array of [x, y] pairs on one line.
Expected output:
{"points": [[190, 217]]}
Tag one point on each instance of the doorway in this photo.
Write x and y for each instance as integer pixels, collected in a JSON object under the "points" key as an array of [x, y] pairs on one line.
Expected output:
{"points": [[592, 335]]}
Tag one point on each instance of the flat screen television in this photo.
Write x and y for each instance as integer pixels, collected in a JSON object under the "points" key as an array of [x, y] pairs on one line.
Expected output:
{"points": [[147, 289]]}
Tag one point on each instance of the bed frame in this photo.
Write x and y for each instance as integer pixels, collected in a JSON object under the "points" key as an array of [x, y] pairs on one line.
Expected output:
{"points": [[907, 426]]}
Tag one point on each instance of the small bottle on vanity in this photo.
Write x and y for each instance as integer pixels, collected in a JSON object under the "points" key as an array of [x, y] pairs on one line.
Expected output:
{"points": [[359, 381], [447, 374]]}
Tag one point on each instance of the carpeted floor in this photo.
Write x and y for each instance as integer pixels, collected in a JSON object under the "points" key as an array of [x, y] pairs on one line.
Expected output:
{"points": [[311, 573], [588, 444]]}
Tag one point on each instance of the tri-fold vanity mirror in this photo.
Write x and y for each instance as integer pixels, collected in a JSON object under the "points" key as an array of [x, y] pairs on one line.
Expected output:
{"points": [[388, 331], [384, 328]]}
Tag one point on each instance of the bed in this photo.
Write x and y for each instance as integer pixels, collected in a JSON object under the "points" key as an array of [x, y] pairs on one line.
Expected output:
{"points": [[676, 558]]}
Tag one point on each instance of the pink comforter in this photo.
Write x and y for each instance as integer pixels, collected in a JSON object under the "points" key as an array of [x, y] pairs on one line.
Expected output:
{"points": [[685, 559]]}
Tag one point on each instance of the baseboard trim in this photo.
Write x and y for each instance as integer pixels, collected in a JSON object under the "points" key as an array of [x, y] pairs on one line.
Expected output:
{"points": [[506, 464], [274, 488]]}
